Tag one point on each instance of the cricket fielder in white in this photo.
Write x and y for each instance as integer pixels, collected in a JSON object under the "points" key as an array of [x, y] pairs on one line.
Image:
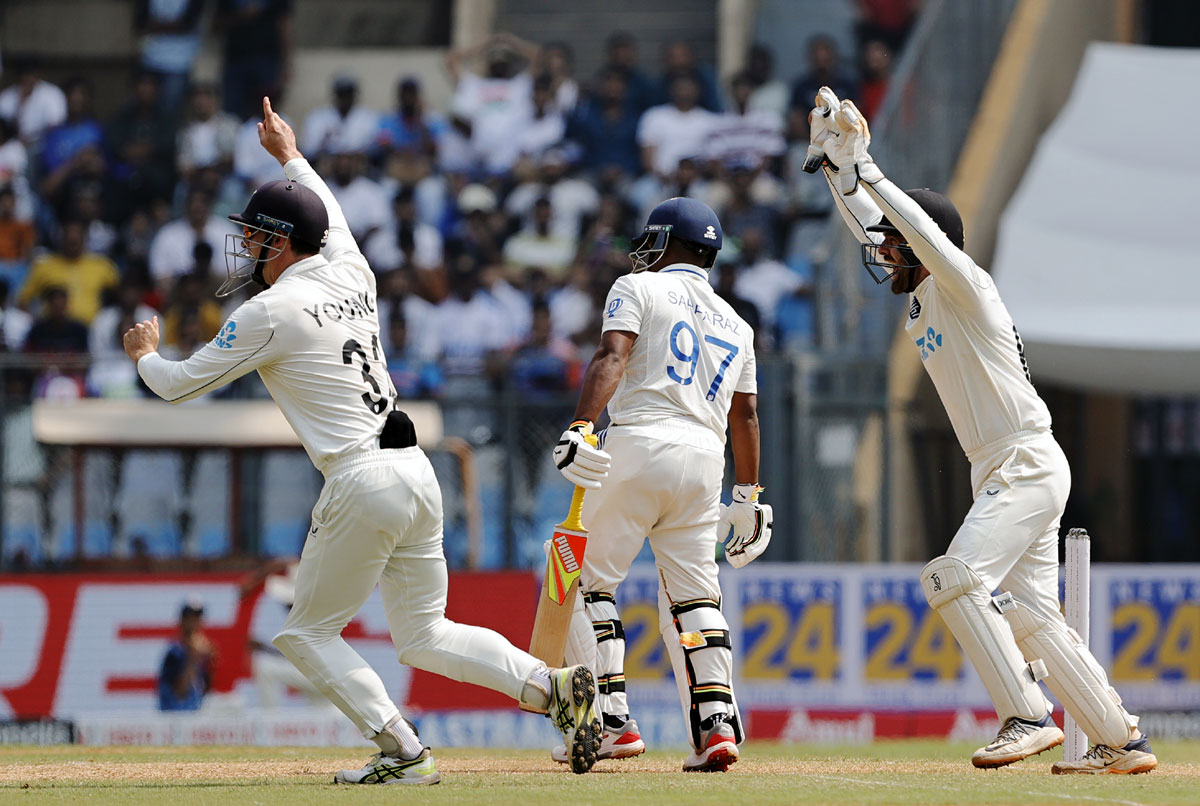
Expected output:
{"points": [[1020, 477], [675, 366], [313, 335]]}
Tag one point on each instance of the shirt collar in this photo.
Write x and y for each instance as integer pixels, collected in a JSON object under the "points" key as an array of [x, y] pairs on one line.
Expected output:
{"points": [[304, 265], [685, 268]]}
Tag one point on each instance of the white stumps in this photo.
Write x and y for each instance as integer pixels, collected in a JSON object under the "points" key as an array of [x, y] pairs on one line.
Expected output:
{"points": [[1077, 595]]}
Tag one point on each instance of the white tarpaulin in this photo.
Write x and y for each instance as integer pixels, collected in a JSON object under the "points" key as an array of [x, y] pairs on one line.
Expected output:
{"points": [[1098, 252]]}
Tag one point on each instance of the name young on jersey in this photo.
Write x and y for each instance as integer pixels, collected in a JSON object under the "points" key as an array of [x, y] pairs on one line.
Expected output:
{"points": [[717, 319], [358, 307]]}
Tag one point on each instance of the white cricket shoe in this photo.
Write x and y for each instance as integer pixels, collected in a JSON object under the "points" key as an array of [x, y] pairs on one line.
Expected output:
{"points": [[1131, 759], [1018, 739], [718, 749], [573, 711], [622, 742], [383, 769]]}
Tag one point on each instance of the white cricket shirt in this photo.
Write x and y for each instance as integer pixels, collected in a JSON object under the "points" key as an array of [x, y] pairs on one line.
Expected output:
{"points": [[966, 337], [313, 336], [691, 354]]}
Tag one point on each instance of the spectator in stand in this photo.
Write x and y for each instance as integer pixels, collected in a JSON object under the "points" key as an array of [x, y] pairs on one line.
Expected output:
{"points": [[558, 62], [87, 168], [110, 373], [621, 57], [14, 322], [86, 205], [137, 236], [192, 297], [409, 128], [404, 240], [14, 169], [796, 318], [475, 233], [605, 127], [79, 130], [876, 74], [495, 105], [34, 104], [744, 132], [141, 139], [342, 127], [824, 70], [762, 279], [572, 308], [571, 199], [687, 180], [679, 59], [362, 199], [173, 249], [470, 326], [746, 208], [545, 126], [769, 93], [413, 375], [886, 20], [170, 32], [538, 246], [257, 49], [208, 137], [17, 237], [186, 673], [674, 130], [55, 330], [726, 285], [397, 297], [604, 246], [84, 276]]}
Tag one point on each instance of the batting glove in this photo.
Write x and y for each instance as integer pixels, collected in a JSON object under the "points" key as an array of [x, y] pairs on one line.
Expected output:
{"points": [[818, 129], [849, 139], [745, 525], [577, 458]]}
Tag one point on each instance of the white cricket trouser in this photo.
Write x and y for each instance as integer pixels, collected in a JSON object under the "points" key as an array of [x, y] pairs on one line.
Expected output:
{"points": [[379, 520], [1010, 535], [669, 492]]}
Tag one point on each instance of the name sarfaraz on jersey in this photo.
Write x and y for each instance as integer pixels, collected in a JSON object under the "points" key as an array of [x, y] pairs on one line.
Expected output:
{"points": [[717, 319], [357, 307]]}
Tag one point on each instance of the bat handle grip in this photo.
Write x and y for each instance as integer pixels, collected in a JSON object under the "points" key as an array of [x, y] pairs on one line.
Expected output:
{"points": [[575, 514], [574, 519]]}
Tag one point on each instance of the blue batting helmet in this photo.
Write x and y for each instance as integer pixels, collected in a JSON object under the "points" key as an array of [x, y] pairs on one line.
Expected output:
{"points": [[682, 219]]}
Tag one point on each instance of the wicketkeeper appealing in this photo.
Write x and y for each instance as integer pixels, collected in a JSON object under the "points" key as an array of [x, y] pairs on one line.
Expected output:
{"points": [[675, 365], [313, 335], [1020, 477]]}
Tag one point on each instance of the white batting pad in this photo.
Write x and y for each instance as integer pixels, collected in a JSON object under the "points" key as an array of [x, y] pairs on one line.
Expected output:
{"points": [[958, 595], [1074, 676]]}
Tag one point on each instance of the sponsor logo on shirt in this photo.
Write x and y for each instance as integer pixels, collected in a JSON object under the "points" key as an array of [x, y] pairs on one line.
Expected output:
{"points": [[929, 342], [225, 339], [613, 306], [914, 310]]}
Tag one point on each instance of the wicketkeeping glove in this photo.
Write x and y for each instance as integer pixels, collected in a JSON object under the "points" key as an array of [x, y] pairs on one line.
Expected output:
{"points": [[750, 522], [818, 129], [846, 147], [577, 459]]}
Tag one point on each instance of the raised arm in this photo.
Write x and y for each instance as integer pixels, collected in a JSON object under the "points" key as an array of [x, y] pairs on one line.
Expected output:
{"points": [[278, 138]]}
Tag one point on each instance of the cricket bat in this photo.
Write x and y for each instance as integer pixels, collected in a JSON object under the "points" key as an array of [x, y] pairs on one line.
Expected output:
{"points": [[560, 587]]}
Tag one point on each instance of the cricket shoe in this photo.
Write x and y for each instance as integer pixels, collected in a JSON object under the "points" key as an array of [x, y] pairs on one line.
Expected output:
{"points": [[1131, 759], [1018, 739], [719, 748], [616, 742], [383, 769], [573, 711]]}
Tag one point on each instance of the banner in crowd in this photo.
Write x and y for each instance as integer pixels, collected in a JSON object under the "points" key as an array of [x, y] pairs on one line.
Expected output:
{"points": [[822, 651]]}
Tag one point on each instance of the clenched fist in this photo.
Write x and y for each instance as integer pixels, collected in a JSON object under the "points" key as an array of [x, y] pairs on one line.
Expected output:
{"points": [[142, 339]]}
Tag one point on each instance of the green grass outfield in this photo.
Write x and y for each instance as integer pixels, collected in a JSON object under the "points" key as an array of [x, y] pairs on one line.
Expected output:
{"points": [[900, 772]]}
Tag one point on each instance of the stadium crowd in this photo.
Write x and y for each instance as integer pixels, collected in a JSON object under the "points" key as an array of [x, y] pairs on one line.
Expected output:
{"points": [[495, 226]]}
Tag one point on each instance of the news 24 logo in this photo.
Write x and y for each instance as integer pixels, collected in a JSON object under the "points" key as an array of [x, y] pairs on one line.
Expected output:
{"points": [[790, 628], [905, 639]]}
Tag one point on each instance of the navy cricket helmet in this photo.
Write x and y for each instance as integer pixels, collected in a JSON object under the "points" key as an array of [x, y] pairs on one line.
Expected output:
{"points": [[939, 208], [280, 208], [682, 219]]}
